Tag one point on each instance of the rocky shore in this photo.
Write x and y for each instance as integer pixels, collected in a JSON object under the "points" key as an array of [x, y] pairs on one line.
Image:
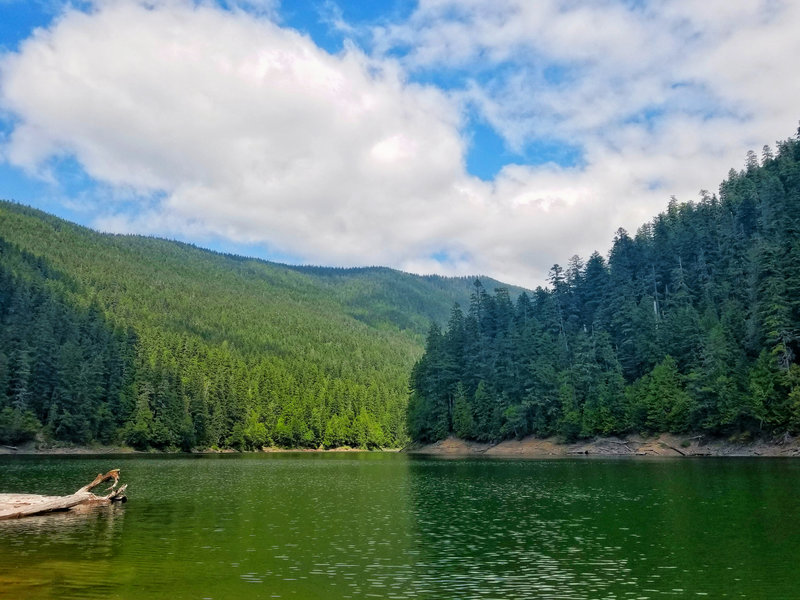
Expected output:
{"points": [[634, 445]]}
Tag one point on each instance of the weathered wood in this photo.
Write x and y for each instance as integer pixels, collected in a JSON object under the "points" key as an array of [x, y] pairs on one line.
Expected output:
{"points": [[674, 448], [16, 506]]}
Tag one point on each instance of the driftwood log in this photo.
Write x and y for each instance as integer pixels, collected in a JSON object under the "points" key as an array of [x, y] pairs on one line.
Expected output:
{"points": [[16, 506]]}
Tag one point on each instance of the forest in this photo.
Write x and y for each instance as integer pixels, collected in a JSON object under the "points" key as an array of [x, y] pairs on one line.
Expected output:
{"points": [[155, 344], [690, 325]]}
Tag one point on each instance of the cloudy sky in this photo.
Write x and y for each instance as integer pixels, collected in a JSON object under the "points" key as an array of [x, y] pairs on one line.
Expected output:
{"points": [[441, 136]]}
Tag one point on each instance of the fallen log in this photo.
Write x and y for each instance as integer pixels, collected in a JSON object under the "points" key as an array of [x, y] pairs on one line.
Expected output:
{"points": [[16, 506], [673, 448]]}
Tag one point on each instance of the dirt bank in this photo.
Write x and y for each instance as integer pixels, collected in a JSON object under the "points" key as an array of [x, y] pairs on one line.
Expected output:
{"points": [[634, 445]]}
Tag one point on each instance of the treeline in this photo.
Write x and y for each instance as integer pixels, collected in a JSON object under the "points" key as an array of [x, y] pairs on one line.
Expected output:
{"points": [[156, 344], [61, 368], [691, 325], [68, 374]]}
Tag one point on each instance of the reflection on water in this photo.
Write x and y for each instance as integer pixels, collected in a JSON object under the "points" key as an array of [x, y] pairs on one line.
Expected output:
{"points": [[39, 554], [394, 526]]}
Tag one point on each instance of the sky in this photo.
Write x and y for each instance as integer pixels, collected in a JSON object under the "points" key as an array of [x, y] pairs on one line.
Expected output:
{"points": [[494, 137]]}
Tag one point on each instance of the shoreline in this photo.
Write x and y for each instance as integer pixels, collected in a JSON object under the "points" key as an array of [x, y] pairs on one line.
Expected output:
{"points": [[32, 450], [667, 445]]}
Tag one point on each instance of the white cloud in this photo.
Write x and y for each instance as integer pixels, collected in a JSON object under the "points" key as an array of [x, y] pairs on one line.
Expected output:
{"points": [[579, 68], [253, 133], [662, 98]]}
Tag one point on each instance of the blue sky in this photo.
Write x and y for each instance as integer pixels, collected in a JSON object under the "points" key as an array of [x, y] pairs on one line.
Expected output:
{"points": [[478, 136]]}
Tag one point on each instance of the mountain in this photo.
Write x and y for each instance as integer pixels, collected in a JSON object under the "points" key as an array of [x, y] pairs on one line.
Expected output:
{"points": [[157, 343], [692, 324]]}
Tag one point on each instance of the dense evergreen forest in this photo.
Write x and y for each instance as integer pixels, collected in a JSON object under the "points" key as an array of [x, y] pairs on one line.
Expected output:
{"points": [[158, 344], [691, 325]]}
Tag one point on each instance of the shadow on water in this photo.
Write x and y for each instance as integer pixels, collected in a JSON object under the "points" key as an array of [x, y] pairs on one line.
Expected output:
{"points": [[56, 555]]}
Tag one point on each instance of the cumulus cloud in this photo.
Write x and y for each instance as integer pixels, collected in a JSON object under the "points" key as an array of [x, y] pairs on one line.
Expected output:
{"points": [[230, 125], [252, 132], [660, 98]]}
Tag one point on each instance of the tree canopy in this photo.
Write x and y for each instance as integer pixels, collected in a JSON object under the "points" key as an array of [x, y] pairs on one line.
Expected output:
{"points": [[691, 324], [158, 344]]}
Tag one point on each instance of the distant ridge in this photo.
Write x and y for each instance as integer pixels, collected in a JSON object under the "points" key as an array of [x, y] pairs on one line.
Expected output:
{"points": [[181, 347]]}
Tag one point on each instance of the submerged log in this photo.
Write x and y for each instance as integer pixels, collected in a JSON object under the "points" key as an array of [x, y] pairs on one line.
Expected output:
{"points": [[16, 506]]}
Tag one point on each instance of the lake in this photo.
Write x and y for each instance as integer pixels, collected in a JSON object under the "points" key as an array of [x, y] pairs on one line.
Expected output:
{"points": [[371, 525]]}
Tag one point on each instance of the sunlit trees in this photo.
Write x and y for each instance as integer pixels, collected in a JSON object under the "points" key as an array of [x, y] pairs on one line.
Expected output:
{"points": [[160, 345], [693, 324]]}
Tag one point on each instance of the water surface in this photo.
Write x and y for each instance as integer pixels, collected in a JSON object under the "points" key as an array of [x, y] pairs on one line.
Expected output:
{"points": [[333, 526]]}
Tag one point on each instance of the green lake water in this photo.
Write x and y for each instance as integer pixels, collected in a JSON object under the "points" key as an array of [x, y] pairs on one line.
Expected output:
{"points": [[364, 525]]}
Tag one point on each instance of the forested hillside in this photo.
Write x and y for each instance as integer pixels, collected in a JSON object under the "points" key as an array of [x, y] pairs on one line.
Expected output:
{"points": [[692, 324], [108, 338]]}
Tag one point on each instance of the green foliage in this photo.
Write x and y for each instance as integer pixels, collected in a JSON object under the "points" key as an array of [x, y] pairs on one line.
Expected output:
{"points": [[254, 431], [659, 400], [693, 324], [793, 401], [18, 427], [463, 419], [162, 345]]}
